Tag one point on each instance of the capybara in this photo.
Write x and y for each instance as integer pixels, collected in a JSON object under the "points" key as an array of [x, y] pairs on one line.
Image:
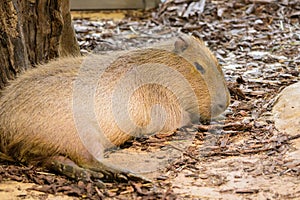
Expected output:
{"points": [[75, 108]]}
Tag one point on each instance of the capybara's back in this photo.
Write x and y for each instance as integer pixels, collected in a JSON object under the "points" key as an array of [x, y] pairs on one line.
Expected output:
{"points": [[77, 107]]}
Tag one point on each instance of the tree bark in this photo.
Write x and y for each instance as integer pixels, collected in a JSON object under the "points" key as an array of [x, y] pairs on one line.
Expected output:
{"points": [[33, 32]]}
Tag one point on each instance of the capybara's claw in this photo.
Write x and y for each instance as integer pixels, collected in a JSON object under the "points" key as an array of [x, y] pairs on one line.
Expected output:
{"points": [[133, 177]]}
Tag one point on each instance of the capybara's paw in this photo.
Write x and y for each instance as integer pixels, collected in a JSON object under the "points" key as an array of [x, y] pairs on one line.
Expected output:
{"points": [[113, 173], [69, 169]]}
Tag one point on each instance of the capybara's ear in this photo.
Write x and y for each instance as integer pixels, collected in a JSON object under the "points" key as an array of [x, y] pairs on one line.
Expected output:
{"points": [[196, 34], [180, 45]]}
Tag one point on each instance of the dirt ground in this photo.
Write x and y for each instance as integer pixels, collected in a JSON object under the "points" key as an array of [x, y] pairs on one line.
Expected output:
{"points": [[252, 152]]}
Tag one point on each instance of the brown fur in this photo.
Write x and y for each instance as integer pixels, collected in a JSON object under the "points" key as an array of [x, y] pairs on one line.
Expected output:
{"points": [[43, 111]]}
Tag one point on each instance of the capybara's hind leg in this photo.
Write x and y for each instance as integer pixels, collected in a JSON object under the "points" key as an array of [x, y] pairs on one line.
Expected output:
{"points": [[100, 173], [68, 168]]}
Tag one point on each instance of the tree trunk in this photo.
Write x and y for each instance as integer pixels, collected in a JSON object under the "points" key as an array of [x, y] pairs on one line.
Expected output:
{"points": [[32, 32]]}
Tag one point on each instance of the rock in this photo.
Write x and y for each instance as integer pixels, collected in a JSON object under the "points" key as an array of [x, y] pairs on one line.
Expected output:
{"points": [[286, 114], [286, 110]]}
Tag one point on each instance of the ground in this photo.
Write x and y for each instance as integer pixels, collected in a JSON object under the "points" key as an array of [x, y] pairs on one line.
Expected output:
{"points": [[253, 152]]}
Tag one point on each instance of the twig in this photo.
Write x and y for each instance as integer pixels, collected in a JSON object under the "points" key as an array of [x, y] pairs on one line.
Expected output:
{"points": [[184, 153]]}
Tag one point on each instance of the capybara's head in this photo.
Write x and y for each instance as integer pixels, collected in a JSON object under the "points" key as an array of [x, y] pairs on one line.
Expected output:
{"points": [[196, 53]]}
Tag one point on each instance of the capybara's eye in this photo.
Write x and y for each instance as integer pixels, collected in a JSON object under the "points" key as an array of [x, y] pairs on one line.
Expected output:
{"points": [[199, 67]]}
